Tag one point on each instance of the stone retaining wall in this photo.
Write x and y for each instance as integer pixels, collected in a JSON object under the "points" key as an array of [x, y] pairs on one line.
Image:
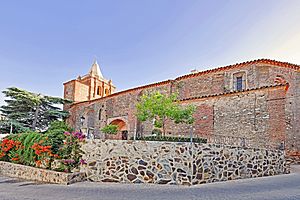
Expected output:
{"points": [[176, 163], [40, 175]]}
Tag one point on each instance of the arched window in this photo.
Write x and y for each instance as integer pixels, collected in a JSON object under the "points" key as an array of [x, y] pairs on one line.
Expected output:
{"points": [[106, 92], [99, 90], [280, 79]]}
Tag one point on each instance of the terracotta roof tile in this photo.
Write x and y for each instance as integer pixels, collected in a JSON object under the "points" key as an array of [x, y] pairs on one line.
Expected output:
{"points": [[237, 65]]}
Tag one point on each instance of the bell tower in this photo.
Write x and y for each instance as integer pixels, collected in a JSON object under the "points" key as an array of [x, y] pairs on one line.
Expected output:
{"points": [[88, 87]]}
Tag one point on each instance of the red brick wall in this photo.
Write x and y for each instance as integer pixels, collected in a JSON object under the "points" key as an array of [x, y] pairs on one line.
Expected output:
{"points": [[201, 85], [204, 120], [260, 113], [277, 122]]}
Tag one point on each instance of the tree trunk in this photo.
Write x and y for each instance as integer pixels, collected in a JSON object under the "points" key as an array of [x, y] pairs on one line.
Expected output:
{"points": [[36, 113]]}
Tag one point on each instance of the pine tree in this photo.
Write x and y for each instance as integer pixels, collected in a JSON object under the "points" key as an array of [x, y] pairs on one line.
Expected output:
{"points": [[31, 110]]}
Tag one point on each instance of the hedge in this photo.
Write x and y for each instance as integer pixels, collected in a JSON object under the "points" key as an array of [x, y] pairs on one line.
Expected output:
{"points": [[171, 139]]}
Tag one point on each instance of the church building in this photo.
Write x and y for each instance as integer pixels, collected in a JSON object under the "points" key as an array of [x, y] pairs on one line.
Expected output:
{"points": [[257, 100]]}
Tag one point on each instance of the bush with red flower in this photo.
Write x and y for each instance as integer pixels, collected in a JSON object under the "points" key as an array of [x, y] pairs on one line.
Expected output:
{"points": [[8, 150], [42, 150], [44, 155]]}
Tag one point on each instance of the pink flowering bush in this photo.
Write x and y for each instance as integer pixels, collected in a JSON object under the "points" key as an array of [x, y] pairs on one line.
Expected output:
{"points": [[70, 153]]}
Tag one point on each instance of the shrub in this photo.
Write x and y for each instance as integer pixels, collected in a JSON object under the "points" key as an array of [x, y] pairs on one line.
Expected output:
{"points": [[172, 139], [8, 150], [55, 134], [58, 126], [156, 132], [110, 129], [40, 150], [26, 153], [70, 153], [43, 155], [23, 152]]}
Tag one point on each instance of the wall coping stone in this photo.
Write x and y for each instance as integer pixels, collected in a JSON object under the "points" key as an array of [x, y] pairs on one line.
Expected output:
{"points": [[94, 141]]}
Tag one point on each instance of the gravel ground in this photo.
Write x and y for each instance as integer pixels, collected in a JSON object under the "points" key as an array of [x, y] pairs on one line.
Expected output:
{"points": [[285, 187]]}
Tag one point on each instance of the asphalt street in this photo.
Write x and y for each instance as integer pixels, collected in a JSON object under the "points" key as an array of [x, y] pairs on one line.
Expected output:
{"points": [[285, 187]]}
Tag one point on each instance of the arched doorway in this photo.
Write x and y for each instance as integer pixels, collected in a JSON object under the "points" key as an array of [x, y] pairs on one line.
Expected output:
{"points": [[122, 129]]}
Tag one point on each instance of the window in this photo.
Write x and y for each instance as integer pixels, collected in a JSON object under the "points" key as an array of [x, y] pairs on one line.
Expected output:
{"points": [[106, 92], [99, 90], [280, 79], [100, 112], [239, 83]]}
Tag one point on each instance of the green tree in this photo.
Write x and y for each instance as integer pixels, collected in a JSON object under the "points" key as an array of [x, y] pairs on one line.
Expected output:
{"points": [[159, 107], [110, 129], [8, 126], [31, 110]]}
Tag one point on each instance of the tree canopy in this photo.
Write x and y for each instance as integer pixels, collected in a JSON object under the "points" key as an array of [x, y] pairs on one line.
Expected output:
{"points": [[159, 107], [110, 129], [31, 110]]}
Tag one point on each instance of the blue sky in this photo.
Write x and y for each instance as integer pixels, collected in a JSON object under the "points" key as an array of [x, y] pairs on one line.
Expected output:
{"points": [[136, 42]]}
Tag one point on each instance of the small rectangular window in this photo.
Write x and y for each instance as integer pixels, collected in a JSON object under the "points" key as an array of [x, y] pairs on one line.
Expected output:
{"points": [[239, 83], [100, 113]]}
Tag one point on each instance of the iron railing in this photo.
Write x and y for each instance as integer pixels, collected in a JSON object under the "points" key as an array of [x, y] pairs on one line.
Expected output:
{"points": [[248, 142]]}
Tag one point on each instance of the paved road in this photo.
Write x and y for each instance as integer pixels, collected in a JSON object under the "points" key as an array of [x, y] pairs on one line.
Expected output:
{"points": [[285, 187]]}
